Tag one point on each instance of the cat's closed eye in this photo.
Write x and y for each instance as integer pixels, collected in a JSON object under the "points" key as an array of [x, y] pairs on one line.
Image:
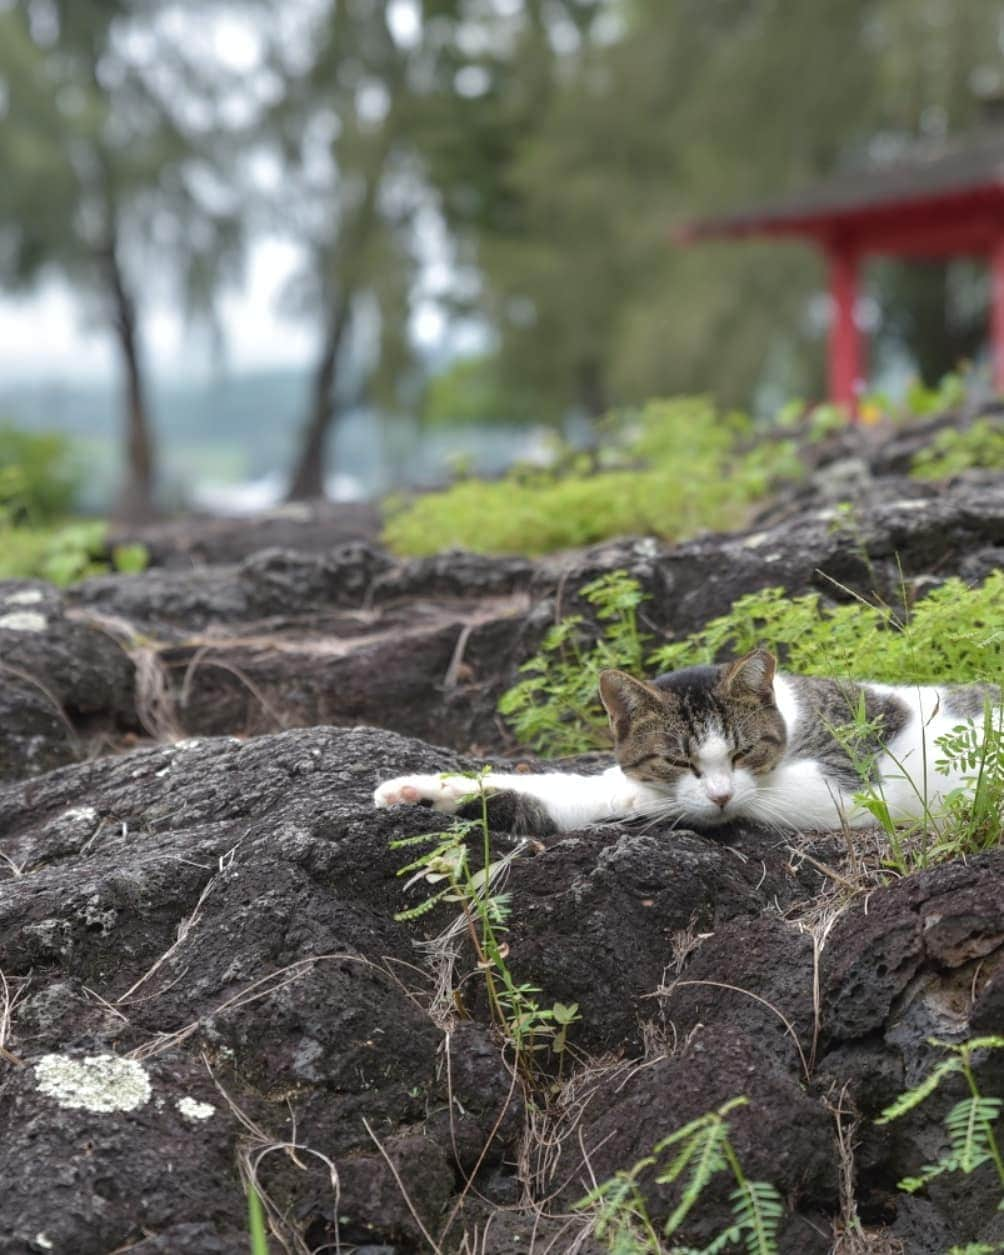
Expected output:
{"points": [[658, 760]]}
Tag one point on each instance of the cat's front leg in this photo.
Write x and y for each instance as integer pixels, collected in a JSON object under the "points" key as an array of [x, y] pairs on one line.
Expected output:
{"points": [[443, 793]]}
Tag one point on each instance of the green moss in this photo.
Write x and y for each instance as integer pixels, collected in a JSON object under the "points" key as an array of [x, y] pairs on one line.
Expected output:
{"points": [[671, 469], [953, 450]]}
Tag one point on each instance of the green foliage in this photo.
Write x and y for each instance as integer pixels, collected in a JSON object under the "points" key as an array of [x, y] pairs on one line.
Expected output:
{"points": [[524, 1023], [974, 816], [950, 636], [65, 553], [475, 390], [922, 401], [969, 1124], [38, 476], [700, 1151], [958, 449], [557, 709], [671, 469], [38, 482]]}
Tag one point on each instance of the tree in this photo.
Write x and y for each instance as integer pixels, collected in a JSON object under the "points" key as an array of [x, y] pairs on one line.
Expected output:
{"points": [[108, 182], [349, 197], [663, 110]]}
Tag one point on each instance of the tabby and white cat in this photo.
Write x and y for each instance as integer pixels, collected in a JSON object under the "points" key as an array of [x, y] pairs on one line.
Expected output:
{"points": [[706, 745]]}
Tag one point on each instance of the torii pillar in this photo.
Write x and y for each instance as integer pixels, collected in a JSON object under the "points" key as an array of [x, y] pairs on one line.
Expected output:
{"points": [[846, 372]]}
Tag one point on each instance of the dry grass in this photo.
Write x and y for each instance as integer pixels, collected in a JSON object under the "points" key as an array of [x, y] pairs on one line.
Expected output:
{"points": [[155, 706], [9, 998], [849, 1235], [255, 1146], [666, 991]]}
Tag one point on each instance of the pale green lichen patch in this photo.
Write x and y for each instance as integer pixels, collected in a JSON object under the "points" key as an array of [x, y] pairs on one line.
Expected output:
{"points": [[192, 1109], [26, 597], [94, 1083], [23, 621]]}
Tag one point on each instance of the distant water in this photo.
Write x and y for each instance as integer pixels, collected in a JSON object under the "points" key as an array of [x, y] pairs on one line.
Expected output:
{"points": [[227, 443]]}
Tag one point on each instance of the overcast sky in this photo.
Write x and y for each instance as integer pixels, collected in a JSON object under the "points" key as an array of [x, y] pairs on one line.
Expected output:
{"points": [[46, 334]]}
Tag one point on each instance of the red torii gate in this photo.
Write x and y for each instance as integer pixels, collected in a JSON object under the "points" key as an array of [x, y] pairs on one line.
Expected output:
{"points": [[944, 201]]}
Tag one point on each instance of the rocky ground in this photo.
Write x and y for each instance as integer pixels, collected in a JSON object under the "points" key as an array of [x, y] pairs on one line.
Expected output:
{"points": [[203, 979]]}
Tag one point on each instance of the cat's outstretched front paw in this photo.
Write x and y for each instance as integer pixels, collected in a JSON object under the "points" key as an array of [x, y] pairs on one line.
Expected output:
{"points": [[443, 793]]}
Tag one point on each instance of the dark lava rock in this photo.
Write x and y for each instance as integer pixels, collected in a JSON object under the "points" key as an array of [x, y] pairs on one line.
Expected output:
{"points": [[868, 552], [61, 682], [309, 527], [280, 637], [780, 1135], [217, 916]]}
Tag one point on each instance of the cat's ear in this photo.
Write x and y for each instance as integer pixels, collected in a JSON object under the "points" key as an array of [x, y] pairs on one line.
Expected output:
{"points": [[625, 698], [751, 676]]}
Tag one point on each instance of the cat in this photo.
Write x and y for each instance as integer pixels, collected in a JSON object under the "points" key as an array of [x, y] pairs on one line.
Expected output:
{"points": [[707, 745]]}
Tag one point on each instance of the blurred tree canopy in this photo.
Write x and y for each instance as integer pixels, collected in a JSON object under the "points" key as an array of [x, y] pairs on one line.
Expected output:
{"points": [[606, 123], [111, 177], [518, 164]]}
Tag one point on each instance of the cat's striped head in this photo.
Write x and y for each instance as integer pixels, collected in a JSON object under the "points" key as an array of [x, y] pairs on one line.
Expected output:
{"points": [[704, 735]]}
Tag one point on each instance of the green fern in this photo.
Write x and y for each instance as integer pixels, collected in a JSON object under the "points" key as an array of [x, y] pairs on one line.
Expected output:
{"points": [[969, 1124], [701, 1151], [557, 710]]}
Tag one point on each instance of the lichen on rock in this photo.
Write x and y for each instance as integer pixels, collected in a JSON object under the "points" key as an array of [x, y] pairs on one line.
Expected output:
{"points": [[99, 1083]]}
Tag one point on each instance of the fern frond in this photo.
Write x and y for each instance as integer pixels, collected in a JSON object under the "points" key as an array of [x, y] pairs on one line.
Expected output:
{"points": [[968, 1125], [911, 1185], [708, 1161], [758, 1209], [423, 908], [423, 838], [914, 1097]]}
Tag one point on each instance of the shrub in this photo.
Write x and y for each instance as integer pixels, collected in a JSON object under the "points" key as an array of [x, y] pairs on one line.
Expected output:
{"points": [[65, 552], [38, 477], [672, 469]]}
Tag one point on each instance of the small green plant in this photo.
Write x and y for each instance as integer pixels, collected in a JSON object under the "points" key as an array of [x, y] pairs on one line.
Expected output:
{"points": [[970, 1124], [65, 553], [692, 1156], [954, 450], [556, 709], [975, 814], [968, 821], [515, 1009], [38, 484], [951, 636]]}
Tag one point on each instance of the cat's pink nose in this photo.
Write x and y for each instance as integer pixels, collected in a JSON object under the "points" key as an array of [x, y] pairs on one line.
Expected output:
{"points": [[720, 797]]}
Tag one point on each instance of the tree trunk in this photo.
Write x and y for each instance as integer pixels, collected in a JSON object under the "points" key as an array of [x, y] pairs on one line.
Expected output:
{"points": [[308, 476], [592, 391], [135, 500]]}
